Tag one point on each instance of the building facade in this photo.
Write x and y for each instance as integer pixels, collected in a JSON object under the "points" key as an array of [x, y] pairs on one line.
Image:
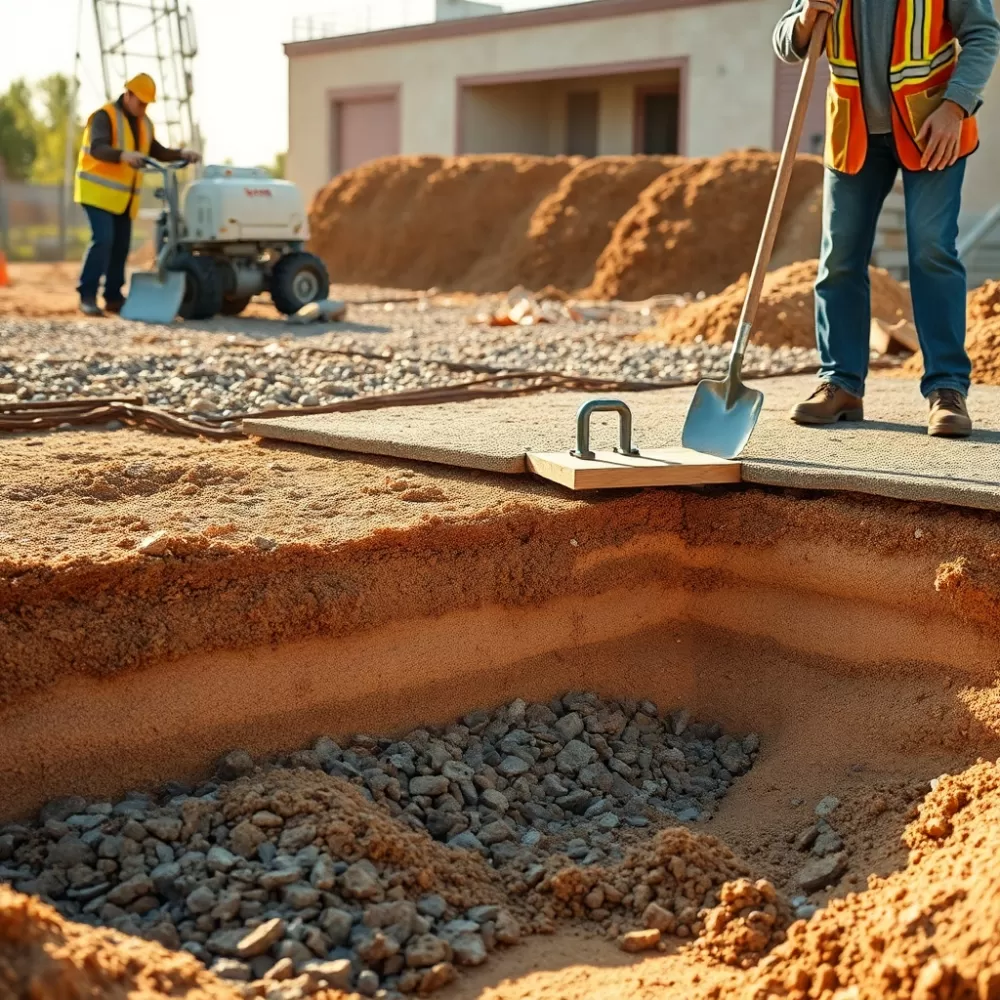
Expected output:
{"points": [[696, 77]]}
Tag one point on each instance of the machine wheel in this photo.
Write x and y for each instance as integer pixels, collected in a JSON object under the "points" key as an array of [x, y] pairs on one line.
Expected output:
{"points": [[297, 280], [202, 289], [233, 307]]}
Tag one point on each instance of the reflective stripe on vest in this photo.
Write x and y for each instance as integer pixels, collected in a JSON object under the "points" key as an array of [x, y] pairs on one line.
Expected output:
{"points": [[924, 54], [113, 187]]}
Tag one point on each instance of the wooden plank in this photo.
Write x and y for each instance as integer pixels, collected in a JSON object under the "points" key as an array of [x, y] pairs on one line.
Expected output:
{"points": [[888, 338], [656, 467]]}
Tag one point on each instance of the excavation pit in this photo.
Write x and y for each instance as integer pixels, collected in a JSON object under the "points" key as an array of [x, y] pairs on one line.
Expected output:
{"points": [[302, 595]]}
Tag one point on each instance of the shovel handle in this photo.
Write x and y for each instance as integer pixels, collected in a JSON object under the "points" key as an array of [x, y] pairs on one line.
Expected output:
{"points": [[781, 181]]}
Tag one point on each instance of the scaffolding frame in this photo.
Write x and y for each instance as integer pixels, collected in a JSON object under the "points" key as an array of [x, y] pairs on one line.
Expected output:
{"points": [[156, 37]]}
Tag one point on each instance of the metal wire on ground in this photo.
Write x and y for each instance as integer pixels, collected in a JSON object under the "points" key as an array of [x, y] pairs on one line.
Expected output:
{"points": [[21, 417]]}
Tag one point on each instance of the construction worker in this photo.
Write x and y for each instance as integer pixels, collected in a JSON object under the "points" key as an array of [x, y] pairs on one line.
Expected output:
{"points": [[109, 184], [907, 78]]}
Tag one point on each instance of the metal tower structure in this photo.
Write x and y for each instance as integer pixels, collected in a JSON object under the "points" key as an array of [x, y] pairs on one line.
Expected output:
{"points": [[156, 37]]}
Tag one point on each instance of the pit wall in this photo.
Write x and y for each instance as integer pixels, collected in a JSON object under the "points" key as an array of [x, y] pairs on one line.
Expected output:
{"points": [[757, 626]]}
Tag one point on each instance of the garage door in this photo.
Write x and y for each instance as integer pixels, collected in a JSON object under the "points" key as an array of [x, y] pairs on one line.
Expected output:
{"points": [[367, 128], [786, 84]]}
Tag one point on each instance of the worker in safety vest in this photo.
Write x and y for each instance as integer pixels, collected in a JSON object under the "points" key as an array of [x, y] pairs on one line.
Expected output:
{"points": [[108, 184], [906, 79]]}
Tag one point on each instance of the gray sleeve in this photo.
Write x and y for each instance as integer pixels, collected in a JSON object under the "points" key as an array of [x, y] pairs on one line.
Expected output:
{"points": [[978, 33], [100, 139], [783, 38]]}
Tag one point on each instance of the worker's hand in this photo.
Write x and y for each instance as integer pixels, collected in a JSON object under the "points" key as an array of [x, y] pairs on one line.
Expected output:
{"points": [[190, 156], [135, 160], [807, 19], [940, 135]]}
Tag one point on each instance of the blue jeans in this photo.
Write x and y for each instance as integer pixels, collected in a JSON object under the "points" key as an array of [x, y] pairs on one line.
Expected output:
{"points": [[106, 255], [851, 207]]}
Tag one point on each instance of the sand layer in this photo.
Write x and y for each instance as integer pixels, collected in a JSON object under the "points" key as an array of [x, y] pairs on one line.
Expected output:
{"points": [[611, 227]]}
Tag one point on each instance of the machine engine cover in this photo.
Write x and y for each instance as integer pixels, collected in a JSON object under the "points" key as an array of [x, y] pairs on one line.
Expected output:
{"points": [[242, 204]]}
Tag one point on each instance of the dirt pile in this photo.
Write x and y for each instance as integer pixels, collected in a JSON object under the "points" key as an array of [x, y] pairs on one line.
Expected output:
{"points": [[982, 339], [611, 227], [42, 955], [679, 883], [696, 227], [785, 317], [314, 808], [928, 932]]}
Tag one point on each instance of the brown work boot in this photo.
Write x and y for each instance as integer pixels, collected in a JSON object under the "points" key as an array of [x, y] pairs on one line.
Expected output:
{"points": [[949, 417], [828, 404]]}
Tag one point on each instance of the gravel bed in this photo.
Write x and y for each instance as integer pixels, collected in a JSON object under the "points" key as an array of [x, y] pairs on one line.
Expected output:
{"points": [[268, 889], [230, 366]]}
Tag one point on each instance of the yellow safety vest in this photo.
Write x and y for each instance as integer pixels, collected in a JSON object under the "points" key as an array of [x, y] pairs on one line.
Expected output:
{"points": [[924, 53], [111, 186]]}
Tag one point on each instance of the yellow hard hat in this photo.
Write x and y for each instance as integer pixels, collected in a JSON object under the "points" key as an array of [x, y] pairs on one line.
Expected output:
{"points": [[143, 87]]}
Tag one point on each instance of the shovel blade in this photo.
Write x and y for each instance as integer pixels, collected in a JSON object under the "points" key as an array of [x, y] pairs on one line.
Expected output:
{"points": [[153, 301], [720, 422]]}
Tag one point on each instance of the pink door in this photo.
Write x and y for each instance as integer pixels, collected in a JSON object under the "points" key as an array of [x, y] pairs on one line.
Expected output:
{"points": [[786, 82], [367, 129]]}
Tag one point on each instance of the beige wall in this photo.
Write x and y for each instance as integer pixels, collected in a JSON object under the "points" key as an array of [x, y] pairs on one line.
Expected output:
{"points": [[512, 118], [531, 117], [729, 103]]}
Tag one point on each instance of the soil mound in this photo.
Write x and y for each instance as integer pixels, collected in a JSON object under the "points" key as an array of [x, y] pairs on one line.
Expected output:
{"points": [[455, 223], [982, 339], [696, 228], [42, 955], [927, 932], [316, 808], [609, 227], [785, 317]]}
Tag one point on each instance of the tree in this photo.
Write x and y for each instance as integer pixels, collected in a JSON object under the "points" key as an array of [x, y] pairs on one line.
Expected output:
{"points": [[277, 168], [55, 94], [19, 131]]}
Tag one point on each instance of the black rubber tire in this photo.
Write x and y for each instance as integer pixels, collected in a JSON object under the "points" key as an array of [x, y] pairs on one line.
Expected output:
{"points": [[233, 307], [297, 280], [203, 287]]}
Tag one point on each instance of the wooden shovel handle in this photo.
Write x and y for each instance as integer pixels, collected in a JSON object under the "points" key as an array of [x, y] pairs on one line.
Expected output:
{"points": [[778, 192]]}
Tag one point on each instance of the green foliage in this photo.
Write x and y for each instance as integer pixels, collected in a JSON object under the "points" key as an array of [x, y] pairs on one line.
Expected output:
{"points": [[33, 121], [277, 168], [18, 131]]}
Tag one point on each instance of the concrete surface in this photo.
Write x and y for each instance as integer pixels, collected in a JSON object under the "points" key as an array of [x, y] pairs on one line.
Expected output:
{"points": [[889, 454]]}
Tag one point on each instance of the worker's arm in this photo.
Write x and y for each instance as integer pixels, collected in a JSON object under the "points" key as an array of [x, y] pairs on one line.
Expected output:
{"points": [[793, 30], [976, 28], [100, 139]]}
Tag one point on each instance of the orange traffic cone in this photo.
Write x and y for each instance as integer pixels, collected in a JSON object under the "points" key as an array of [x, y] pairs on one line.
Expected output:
{"points": [[4, 275]]}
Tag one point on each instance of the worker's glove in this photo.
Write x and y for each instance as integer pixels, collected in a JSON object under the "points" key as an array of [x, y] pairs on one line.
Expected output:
{"points": [[190, 156], [135, 160]]}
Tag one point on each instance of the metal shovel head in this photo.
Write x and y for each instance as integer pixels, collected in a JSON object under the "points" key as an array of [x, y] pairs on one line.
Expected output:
{"points": [[153, 301], [719, 420]]}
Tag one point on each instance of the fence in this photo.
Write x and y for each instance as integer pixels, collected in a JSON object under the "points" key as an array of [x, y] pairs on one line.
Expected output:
{"points": [[38, 222]]}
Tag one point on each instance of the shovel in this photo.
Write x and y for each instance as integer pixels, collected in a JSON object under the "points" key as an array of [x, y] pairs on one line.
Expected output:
{"points": [[156, 296], [724, 412]]}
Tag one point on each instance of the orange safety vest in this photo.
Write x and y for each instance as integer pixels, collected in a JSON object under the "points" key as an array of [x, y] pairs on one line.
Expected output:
{"points": [[114, 187], [924, 53]]}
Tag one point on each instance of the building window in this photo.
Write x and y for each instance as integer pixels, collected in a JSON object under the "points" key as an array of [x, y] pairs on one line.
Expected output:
{"points": [[657, 123], [582, 112]]}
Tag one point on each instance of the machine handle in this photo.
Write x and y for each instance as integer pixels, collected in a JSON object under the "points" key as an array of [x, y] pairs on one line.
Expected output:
{"points": [[583, 416]]}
